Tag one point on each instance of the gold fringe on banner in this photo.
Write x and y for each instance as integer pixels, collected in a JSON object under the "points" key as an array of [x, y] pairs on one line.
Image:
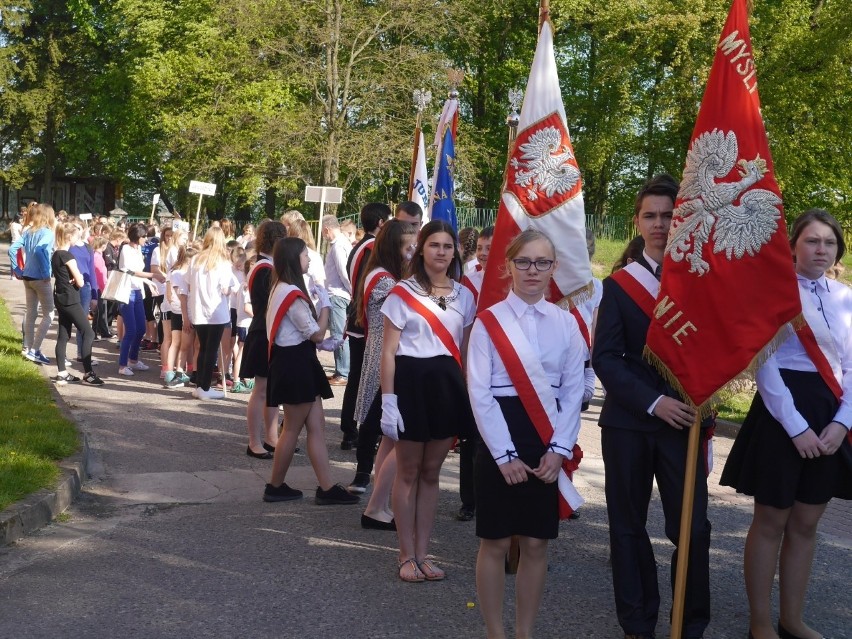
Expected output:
{"points": [[707, 408], [578, 297]]}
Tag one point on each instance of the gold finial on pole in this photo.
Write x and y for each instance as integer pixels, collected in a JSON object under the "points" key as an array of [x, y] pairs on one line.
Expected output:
{"points": [[516, 98], [422, 98], [455, 78]]}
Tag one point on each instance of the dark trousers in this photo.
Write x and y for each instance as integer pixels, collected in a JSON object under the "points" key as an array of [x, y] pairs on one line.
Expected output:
{"points": [[69, 316], [85, 303], [467, 453], [101, 324], [350, 395], [632, 460], [209, 336], [368, 436]]}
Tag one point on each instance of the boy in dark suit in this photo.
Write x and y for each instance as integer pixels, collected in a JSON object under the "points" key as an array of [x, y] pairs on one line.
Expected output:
{"points": [[644, 433]]}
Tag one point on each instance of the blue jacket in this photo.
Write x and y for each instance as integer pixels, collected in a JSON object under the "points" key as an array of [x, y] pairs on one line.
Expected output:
{"points": [[85, 259], [38, 248]]}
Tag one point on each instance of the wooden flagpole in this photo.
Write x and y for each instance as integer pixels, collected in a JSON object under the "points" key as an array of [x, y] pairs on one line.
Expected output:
{"points": [[685, 529]]}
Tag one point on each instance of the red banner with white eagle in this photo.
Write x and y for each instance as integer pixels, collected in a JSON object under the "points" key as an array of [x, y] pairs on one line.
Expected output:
{"points": [[728, 290], [542, 188]]}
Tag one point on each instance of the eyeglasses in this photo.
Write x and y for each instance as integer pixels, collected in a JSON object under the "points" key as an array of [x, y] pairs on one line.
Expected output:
{"points": [[523, 264]]}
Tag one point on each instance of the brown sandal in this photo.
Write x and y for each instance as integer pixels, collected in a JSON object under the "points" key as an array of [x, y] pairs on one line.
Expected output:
{"points": [[415, 576], [430, 571]]}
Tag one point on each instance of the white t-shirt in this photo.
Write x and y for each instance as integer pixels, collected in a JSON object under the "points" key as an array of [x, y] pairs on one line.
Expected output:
{"points": [[236, 298], [417, 338], [209, 292], [131, 259], [243, 318], [297, 325], [171, 257], [177, 280]]}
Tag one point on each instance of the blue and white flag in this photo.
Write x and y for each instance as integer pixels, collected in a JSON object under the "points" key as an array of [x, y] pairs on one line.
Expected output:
{"points": [[443, 194]]}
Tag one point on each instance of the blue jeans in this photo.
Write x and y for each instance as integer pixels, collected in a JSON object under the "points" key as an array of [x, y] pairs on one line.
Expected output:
{"points": [[85, 301], [133, 316], [336, 324]]}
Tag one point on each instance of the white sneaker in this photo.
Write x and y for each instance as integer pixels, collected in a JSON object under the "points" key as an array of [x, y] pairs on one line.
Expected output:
{"points": [[140, 366], [125, 370], [209, 394]]}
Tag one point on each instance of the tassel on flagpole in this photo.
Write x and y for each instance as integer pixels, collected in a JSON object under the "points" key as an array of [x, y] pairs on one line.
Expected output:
{"points": [[543, 13]]}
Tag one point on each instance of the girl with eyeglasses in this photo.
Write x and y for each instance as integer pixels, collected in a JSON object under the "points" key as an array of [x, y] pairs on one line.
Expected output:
{"points": [[525, 380]]}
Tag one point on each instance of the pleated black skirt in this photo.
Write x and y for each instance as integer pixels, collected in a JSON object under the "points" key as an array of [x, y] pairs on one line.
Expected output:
{"points": [[296, 375], [255, 362], [432, 398], [764, 462]]}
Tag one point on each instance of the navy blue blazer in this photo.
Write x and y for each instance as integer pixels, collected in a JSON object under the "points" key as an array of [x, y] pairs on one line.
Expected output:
{"points": [[631, 383]]}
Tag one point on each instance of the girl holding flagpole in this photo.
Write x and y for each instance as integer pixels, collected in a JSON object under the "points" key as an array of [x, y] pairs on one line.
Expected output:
{"points": [[296, 380], [787, 453], [424, 401], [526, 398]]}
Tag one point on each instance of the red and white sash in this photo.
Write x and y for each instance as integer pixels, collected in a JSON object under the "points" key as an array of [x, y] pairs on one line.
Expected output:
{"points": [[534, 390], [262, 263], [640, 285], [421, 305], [370, 282], [473, 282], [357, 258], [584, 328], [280, 301], [819, 345]]}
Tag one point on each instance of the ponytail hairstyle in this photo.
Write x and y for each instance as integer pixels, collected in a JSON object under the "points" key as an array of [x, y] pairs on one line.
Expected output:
{"points": [[65, 232], [287, 267], [467, 239], [417, 268]]}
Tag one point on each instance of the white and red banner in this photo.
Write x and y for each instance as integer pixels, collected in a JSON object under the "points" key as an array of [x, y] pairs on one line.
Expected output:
{"points": [[542, 188], [728, 291], [420, 179]]}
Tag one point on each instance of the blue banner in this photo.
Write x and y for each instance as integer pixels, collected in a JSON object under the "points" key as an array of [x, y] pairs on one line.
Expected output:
{"points": [[443, 196]]}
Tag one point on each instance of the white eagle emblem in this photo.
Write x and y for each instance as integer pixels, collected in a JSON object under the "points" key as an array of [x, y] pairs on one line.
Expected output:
{"points": [[740, 229], [544, 165]]}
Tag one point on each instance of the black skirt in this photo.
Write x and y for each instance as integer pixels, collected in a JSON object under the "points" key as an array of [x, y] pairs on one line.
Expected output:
{"points": [[255, 362], [764, 462], [296, 375], [432, 398], [530, 509]]}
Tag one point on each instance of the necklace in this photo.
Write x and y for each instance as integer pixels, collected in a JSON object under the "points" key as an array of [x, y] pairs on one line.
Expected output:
{"points": [[443, 300]]}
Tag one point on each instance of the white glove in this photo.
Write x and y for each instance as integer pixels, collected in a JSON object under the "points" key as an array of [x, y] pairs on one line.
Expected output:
{"points": [[323, 301], [391, 419], [329, 344]]}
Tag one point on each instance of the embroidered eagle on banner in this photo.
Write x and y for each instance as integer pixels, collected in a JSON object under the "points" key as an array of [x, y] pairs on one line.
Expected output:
{"points": [[707, 205], [546, 165]]}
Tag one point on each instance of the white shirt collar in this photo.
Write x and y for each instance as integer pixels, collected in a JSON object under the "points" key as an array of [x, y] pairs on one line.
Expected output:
{"points": [[654, 265], [821, 282], [519, 306]]}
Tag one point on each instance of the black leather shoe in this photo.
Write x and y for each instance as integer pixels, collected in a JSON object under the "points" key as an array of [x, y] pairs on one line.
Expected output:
{"points": [[348, 443], [251, 453], [375, 524], [786, 634], [266, 446]]}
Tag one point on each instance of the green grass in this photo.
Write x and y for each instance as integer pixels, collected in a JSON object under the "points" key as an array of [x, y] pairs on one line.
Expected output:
{"points": [[606, 254], [33, 434], [735, 408]]}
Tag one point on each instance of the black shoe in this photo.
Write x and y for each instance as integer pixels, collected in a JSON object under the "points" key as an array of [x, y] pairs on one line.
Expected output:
{"points": [[375, 524], [337, 494], [359, 484], [251, 453], [641, 636], [266, 446], [786, 634], [349, 443], [92, 380], [281, 493], [65, 378], [466, 513]]}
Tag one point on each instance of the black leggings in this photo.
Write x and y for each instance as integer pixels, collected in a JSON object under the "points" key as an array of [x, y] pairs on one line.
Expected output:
{"points": [[209, 336], [368, 436], [69, 316]]}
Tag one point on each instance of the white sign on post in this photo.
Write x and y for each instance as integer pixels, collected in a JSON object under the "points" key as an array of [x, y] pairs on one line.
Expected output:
{"points": [[324, 195], [154, 207], [202, 189]]}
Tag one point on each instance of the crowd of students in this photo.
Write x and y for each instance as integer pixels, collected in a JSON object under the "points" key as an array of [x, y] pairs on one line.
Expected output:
{"points": [[423, 371]]}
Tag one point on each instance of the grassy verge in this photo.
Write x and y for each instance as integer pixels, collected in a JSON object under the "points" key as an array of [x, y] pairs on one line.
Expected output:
{"points": [[736, 407], [33, 434]]}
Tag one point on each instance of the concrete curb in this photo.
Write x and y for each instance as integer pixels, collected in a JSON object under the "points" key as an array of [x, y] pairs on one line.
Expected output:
{"points": [[38, 509]]}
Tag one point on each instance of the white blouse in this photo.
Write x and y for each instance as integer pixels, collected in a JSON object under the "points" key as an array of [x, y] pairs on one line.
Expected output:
{"points": [[834, 300], [554, 336], [417, 338], [297, 325], [131, 259]]}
